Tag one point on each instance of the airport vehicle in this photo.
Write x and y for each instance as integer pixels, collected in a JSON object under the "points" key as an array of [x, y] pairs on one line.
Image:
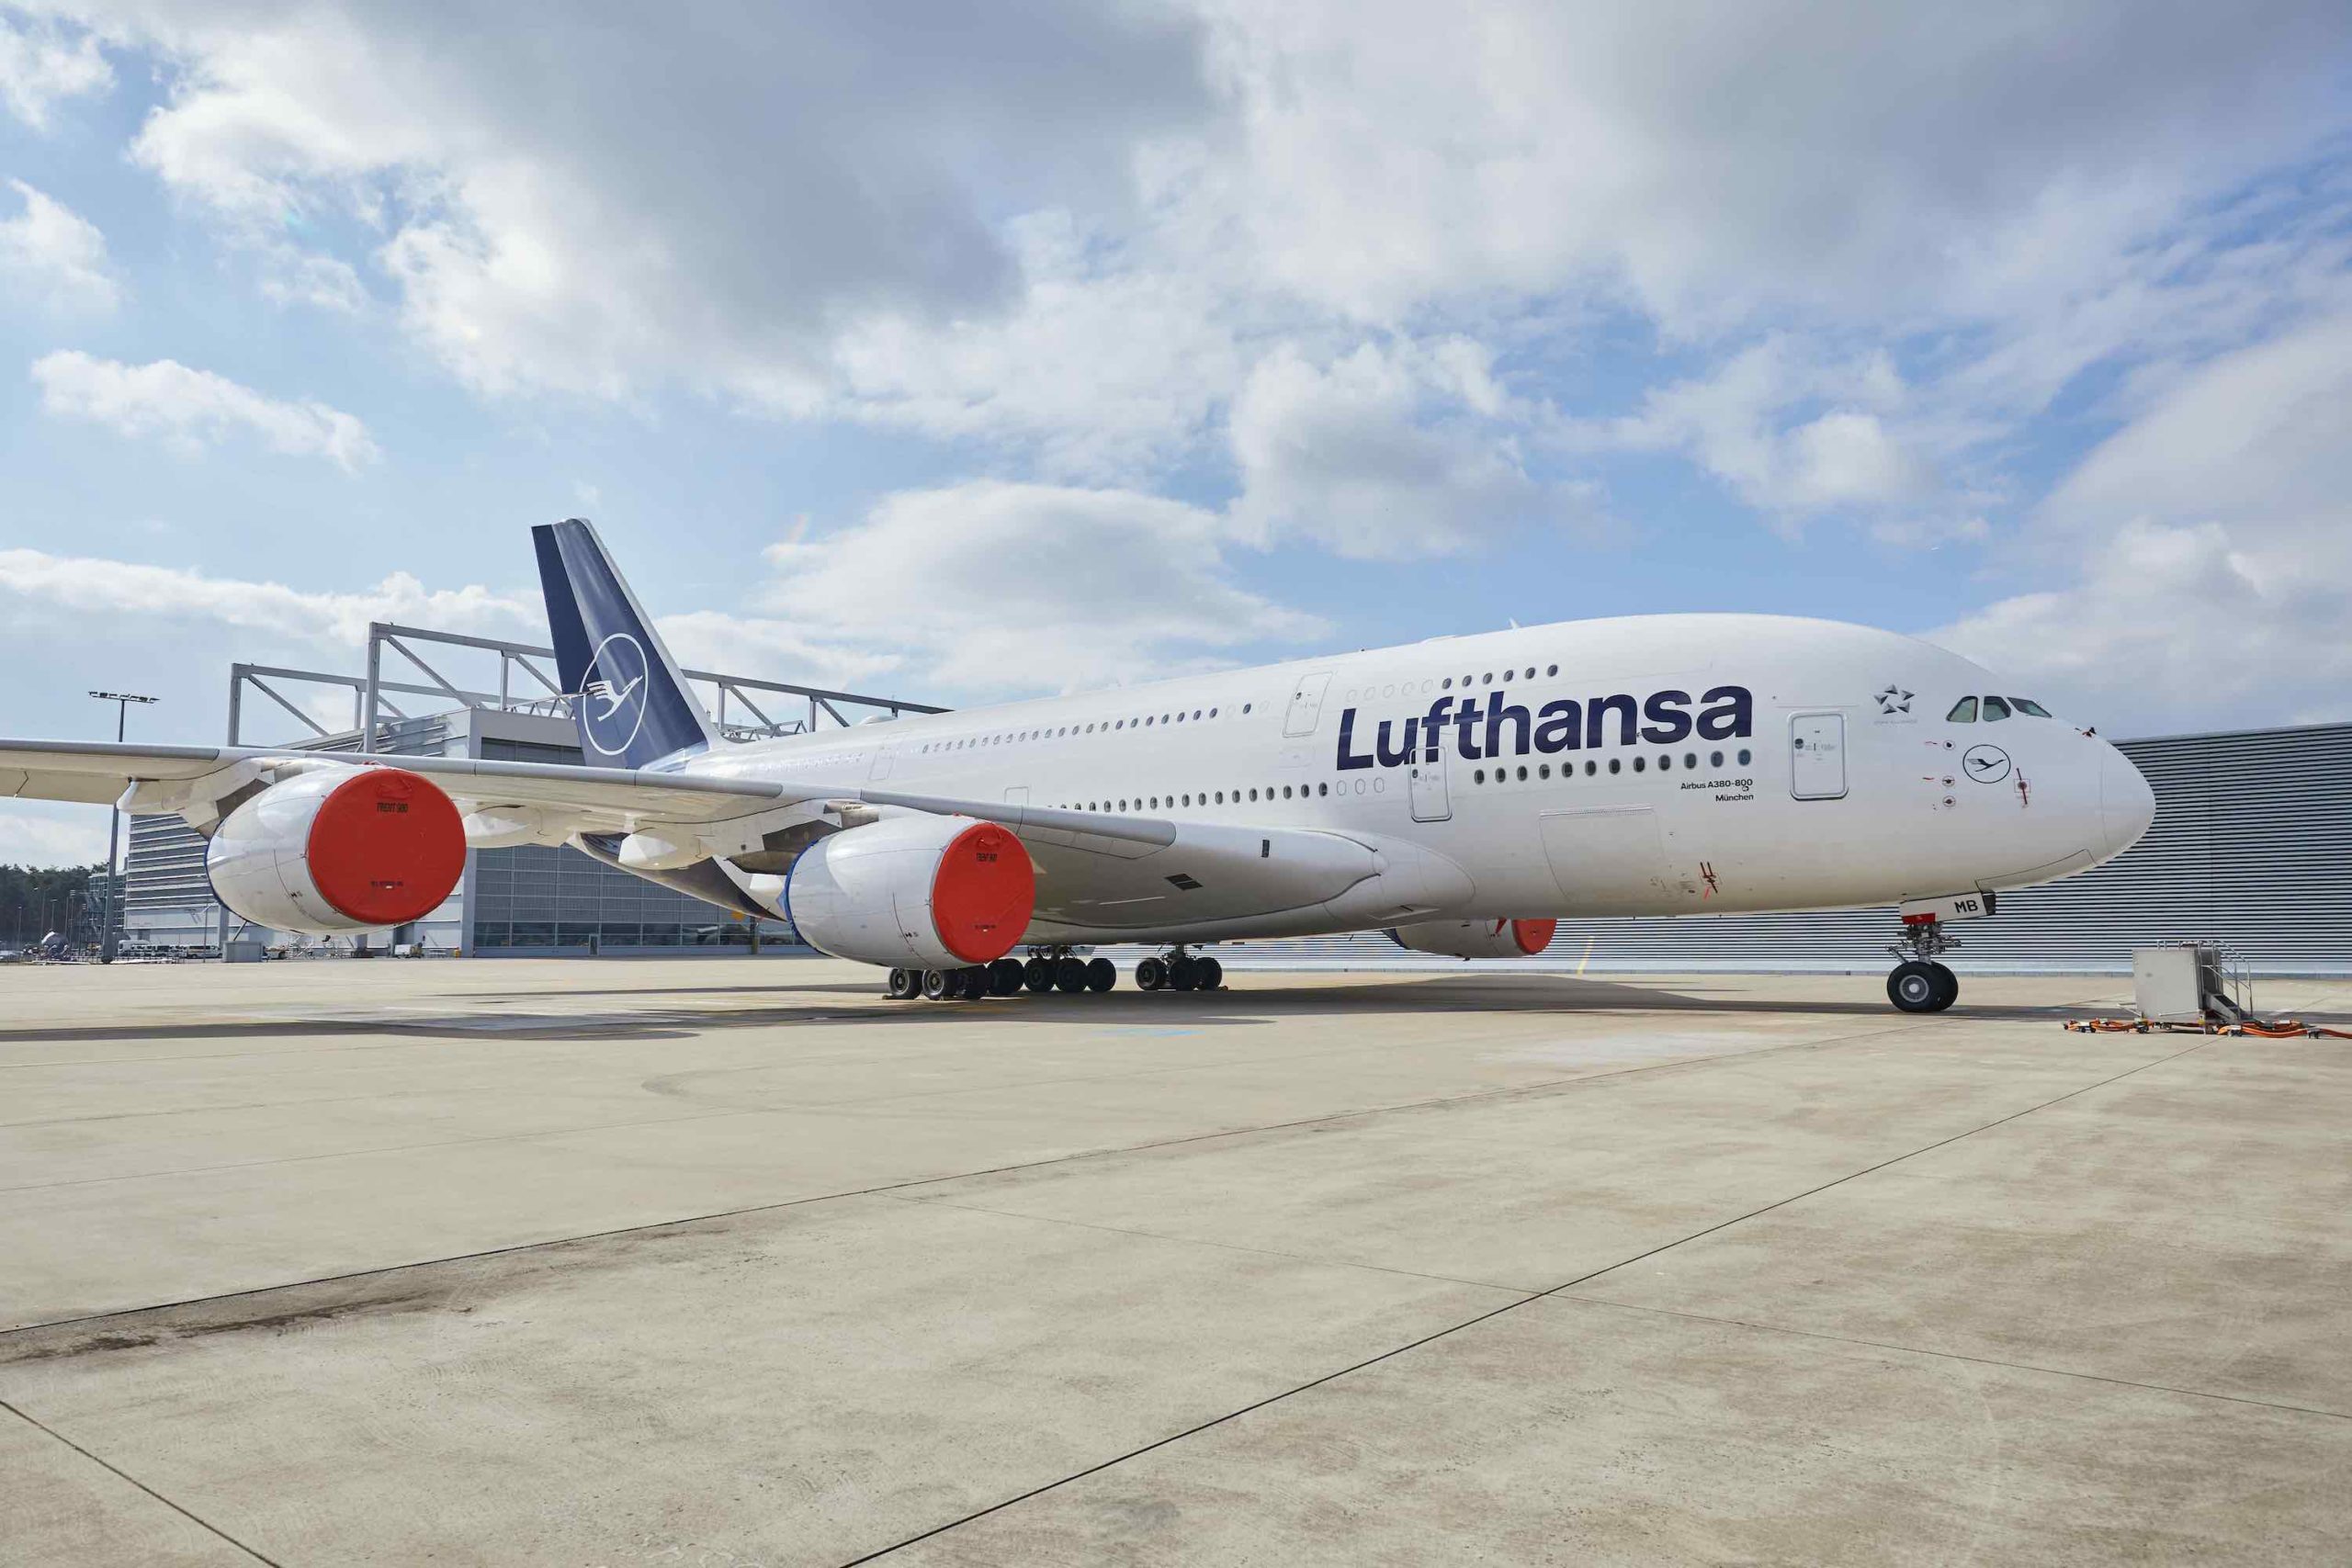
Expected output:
{"points": [[1462, 793]]}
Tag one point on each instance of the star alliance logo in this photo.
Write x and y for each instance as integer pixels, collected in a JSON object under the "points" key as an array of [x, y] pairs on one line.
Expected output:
{"points": [[1894, 699]]}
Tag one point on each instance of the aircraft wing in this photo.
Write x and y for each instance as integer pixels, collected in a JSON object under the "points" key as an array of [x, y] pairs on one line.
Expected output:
{"points": [[1100, 873], [1109, 878], [101, 772]]}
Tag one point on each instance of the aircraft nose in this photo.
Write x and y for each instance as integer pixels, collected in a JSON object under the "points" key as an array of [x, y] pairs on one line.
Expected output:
{"points": [[2126, 804]]}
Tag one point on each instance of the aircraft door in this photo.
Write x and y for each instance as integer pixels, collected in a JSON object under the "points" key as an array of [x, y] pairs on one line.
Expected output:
{"points": [[1817, 756], [1018, 794], [1608, 860], [1427, 781], [1306, 705], [882, 756]]}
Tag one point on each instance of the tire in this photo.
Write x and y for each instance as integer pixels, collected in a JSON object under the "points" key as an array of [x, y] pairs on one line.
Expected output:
{"points": [[1100, 974], [1037, 974], [905, 985], [1150, 975], [1069, 976], [1004, 978], [1182, 975], [1949, 986], [1207, 974], [941, 985], [976, 982], [1913, 987]]}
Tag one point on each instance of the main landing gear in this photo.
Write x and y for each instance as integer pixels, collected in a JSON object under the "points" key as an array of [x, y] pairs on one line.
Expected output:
{"points": [[1180, 970], [1920, 984], [1057, 971]]}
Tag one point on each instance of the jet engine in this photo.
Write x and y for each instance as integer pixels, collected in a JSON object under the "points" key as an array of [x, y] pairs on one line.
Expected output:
{"points": [[914, 892], [338, 848], [1476, 939]]}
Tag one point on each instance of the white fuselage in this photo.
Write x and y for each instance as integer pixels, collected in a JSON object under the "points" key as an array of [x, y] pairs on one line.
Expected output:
{"points": [[1833, 777]]}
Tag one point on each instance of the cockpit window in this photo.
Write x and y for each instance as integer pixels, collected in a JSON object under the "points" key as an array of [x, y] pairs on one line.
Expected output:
{"points": [[1962, 712], [2028, 706], [1995, 709]]}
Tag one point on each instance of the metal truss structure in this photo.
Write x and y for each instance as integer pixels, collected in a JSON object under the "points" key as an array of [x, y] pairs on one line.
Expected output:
{"points": [[523, 684]]}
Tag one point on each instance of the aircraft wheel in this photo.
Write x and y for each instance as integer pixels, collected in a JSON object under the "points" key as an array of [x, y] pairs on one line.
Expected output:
{"points": [[1913, 987], [976, 982], [1182, 974], [1069, 976], [1100, 974], [1037, 974], [1947, 986], [1150, 975], [1004, 978], [942, 985], [905, 985], [1207, 974]]}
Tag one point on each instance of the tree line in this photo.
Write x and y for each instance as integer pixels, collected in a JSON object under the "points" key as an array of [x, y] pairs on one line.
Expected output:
{"points": [[35, 900]]}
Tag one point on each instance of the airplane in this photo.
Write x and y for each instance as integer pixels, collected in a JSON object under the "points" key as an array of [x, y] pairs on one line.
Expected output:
{"points": [[1463, 794]]}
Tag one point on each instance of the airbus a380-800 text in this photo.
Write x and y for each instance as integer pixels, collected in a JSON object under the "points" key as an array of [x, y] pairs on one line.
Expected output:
{"points": [[1462, 793]]}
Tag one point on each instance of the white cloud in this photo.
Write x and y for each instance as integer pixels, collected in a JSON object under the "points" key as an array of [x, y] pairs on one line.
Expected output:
{"points": [[54, 255], [1872, 161], [995, 587], [1388, 452], [550, 223], [2203, 554], [1791, 432], [88, 586], [1101, 368], [40, 67], [44, 833], [194, 409], [292, 277]]}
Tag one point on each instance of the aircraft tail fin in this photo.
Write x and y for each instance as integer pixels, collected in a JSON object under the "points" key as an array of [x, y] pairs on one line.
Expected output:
{"points": [[632, 706]]}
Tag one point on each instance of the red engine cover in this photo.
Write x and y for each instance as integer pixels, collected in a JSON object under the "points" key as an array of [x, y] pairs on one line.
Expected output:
{"points": [[385, 847], [1532, 936], [982, 894]]}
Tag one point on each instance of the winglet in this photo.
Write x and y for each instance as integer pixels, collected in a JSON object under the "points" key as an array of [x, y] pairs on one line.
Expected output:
{"points": [[632, 706]]}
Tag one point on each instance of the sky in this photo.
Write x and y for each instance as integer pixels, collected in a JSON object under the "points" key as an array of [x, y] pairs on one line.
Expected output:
{"points": [[961, 351]]}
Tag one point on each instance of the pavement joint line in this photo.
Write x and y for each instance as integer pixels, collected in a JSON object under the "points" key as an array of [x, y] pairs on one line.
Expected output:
{"points": [[1953, 1356], [1493, 1313], [849, 1107], [117, 1471], [889, 1187], [1203, 1241]]}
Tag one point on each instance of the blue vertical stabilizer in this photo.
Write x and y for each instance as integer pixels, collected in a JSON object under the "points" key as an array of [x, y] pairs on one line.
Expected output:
{"points": [[625, 693]]}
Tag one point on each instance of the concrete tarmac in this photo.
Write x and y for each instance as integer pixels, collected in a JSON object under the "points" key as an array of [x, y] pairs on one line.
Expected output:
{"points": [[735, 1262]]}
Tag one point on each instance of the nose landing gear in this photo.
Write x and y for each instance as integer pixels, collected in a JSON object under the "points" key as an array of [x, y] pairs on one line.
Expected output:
{"points": [[1920, 984]]}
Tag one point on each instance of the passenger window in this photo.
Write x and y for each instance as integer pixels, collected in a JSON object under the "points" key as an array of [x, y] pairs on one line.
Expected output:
{"points": [[2028, 706], [1962, 712], [1995, 710]]}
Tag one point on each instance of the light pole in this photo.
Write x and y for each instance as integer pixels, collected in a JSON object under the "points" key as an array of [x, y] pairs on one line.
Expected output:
{"points": [[122, 701]]}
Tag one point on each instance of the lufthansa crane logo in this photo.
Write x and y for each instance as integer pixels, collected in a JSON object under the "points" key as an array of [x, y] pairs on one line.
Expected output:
{"points": [[1985, 764], [612, 699]]}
